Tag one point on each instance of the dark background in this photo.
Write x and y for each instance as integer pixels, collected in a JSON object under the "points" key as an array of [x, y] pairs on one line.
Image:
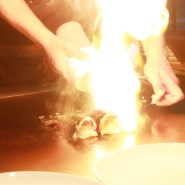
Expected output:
{"points": [[177, 14]]}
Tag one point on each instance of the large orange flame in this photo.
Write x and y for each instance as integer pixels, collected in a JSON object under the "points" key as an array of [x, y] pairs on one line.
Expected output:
{"points": [[115, 84]]}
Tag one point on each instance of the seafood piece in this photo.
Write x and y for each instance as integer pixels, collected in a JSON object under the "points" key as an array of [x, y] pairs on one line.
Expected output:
{"points": [[107, 122], [51, 120], [85, 127]]}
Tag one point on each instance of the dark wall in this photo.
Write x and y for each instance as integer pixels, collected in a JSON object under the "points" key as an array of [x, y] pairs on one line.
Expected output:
{"points": [[177, 14]]}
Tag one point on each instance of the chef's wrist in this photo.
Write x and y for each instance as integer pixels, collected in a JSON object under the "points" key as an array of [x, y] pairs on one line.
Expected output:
{"points": [[155, 46], [45, 39]]}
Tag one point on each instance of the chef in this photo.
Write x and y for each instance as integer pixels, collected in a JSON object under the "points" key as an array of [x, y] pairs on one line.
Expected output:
{"points": [[38, 21]]}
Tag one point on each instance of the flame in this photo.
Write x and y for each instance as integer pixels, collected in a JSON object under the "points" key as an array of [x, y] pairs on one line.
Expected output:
{"points": [[140, 18], [112, 79], [115, 83], [129, 141]]}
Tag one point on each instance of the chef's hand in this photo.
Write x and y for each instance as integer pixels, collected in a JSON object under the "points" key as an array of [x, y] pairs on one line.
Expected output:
{"points": [[165, 83], [59, 50]]}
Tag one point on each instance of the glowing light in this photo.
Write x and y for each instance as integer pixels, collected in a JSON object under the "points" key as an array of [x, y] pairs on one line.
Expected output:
{"points": [[174, 144], [129, 141], [99, 153], [140, 18], [114, 83], [12, 174]]}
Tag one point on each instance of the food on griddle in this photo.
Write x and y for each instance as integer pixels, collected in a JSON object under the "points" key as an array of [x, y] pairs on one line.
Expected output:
{"points": [[85, 127], [107, 122], [51, 120]]}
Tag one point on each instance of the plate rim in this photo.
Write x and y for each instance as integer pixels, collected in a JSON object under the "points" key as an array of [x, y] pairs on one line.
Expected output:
{"points": [[52, 173], [167, 144]]}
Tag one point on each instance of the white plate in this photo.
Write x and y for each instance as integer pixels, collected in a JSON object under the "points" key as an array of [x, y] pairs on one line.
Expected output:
{"points": [[42, 178], [150, 164]]}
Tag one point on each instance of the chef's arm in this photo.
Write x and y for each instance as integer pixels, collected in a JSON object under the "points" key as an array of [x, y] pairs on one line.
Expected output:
{"points": [[18, 14], [159, 72], [155, 45]]}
